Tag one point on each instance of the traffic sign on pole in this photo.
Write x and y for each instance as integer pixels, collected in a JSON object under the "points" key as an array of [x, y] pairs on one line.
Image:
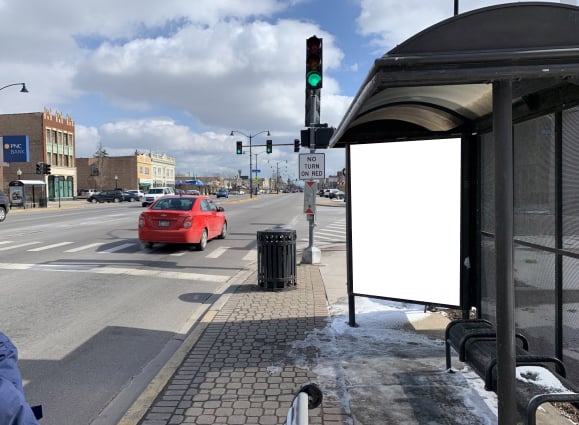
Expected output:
{"points": [[312, 166], [310, 189]]}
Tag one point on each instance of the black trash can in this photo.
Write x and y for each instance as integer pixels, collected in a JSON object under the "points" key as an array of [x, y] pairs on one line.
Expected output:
{"points": [[276, 259]]}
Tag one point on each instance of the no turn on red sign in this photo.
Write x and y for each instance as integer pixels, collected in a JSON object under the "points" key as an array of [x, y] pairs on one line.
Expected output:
{"points": [[312, 166]]}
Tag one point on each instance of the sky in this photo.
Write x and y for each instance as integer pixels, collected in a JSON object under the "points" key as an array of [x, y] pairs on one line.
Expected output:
{"points": [[177, 76]]}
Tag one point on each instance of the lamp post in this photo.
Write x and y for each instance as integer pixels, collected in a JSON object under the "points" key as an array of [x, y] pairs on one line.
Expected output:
{"points": [[250, 137], [22, 90], [116, 182], [19, 174]]}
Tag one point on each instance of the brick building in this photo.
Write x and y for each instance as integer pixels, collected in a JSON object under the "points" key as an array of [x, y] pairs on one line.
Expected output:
{"points": [[138, 171], [52, 141]]}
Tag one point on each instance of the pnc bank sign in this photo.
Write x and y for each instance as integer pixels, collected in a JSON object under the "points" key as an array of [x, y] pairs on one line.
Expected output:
{"points": [[15, 149]]}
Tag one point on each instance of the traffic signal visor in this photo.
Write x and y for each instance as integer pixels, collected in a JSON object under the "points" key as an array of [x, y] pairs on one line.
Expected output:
{"points": [[314, 62]]}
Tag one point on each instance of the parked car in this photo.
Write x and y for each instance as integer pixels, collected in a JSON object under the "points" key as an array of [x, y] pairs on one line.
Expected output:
{"points": [[130, 196], [222, 193], [183, 219], [106, 196], [335, 194], [4, 206], [155, 193], [85, 193], [140, 194]]}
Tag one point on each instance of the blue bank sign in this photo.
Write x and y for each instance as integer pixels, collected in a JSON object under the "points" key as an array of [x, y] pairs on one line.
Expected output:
{"points": [[15, 148]]}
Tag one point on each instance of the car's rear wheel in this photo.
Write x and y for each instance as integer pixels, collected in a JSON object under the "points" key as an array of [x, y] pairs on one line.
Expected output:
{"points": [[223, 233], [94, 201], [2, 214], [203, 241]]}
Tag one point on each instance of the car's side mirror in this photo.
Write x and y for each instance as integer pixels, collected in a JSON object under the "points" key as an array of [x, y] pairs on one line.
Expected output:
{"points": [[220, 209]]}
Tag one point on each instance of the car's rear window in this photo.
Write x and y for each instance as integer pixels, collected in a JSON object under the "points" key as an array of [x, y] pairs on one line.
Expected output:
{"points": [[175, 204]]}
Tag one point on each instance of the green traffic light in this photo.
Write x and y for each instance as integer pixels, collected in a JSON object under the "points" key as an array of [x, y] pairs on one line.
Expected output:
{"points": [[314, 79]]}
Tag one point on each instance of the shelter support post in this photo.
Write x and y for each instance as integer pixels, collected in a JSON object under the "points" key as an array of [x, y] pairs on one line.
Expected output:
{"points": [[505, 308], [350, 273]]}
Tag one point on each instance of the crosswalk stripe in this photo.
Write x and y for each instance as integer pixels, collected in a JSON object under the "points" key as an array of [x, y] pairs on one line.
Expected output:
{"points": [[116, 271], [250, 256], [54, 245], [82, 248], [6, 248], [117, 248], [5, 242], [217, 252]]}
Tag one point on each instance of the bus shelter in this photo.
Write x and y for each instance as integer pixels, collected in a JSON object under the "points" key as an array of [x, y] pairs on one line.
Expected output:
{"points": [[482, 112], [27, 193]]}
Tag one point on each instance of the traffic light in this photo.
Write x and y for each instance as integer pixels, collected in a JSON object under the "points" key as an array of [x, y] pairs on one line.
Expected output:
{"points": [[297, 145], [46, 168], [314, 63], [39, 168], [268, 146], [239, 149]]}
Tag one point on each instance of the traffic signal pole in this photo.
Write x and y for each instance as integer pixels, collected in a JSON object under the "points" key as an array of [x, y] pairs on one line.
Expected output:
{"points": [[311, 254]]}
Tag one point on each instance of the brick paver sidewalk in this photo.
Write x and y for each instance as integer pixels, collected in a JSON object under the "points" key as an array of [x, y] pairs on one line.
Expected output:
{"points": [[238, 371]]}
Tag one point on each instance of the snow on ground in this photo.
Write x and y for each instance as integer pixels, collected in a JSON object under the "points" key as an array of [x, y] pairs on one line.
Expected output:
{"points": [[385, 368]]}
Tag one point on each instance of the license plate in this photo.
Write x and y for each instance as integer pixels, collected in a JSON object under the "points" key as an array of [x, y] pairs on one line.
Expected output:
{"points": [[163, 223]]}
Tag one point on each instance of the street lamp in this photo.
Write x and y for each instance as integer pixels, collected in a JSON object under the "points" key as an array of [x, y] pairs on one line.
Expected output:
{"points": [[19, 174], [116, 182], [22, 90], [250, 137]]}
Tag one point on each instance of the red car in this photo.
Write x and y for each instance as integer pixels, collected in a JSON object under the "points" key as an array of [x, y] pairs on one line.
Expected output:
{"points": [[182, 219]]}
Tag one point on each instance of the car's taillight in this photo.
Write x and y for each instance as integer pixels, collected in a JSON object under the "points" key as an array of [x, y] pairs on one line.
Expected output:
{"points": [[141, 221], [187, 223]]}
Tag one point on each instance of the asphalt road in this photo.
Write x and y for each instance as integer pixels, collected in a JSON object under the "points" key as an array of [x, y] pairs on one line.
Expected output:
{"points": [[94, 315]]}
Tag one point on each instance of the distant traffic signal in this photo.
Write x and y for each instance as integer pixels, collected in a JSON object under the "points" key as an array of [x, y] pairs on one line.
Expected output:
{"points": [[297, 145], [46, 169], [39, 168], [268, 146], [314, 63], [239, 149]]}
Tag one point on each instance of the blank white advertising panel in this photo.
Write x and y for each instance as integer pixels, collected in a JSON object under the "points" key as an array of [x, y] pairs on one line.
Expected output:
{"points": [[405, 210]]}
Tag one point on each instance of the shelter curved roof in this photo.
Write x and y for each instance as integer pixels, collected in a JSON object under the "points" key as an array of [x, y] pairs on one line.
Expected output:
{"points": [[438, 83]]}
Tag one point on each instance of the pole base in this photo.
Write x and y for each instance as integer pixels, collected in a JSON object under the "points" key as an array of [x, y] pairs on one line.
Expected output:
{"points": [[311, 255]]}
